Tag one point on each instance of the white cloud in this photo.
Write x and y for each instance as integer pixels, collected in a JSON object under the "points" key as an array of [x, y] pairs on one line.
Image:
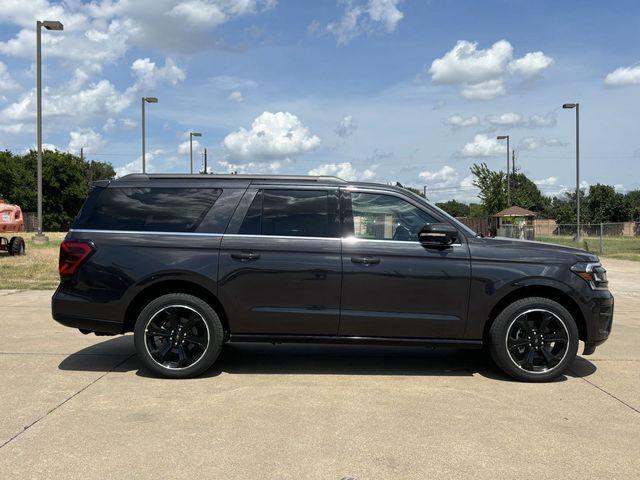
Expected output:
{"points": [[227, 82], [6, 82], [272, 135], [344, 170], [125, 123], [458, 121], [531, 65], [236, 96], [466, 64], [135, 166], [482, 146], [346, 127], [546, 182], [534, 143], [364, 17], [484, 90], [445, 177], [509, 119], [85, 138], [623, 76], [481, 72], [148, 75], [184, 149], [541, 121], [271, 167]]}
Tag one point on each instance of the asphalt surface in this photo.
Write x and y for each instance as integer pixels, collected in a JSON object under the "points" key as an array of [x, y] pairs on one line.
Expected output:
{"points": [[75, 406]]}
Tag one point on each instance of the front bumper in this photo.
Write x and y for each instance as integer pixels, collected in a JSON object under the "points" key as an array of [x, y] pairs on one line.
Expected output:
{"points": [[599, 320]]}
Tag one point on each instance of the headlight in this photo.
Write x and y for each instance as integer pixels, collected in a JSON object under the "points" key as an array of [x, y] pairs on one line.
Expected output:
{"points": [[593, 273]]}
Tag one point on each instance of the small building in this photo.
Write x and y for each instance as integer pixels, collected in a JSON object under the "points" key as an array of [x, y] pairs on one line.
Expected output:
{"points": [[515, 222]]}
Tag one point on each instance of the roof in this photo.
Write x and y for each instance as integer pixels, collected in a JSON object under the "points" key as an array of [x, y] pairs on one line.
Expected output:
{"points": [[515, 211]]}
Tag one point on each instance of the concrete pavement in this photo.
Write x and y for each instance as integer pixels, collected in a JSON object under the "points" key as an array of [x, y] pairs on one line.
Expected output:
{"points": [[76, 406]]}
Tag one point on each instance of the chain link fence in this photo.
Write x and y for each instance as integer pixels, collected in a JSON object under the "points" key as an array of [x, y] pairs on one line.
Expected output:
{"points": [[613, 239]]}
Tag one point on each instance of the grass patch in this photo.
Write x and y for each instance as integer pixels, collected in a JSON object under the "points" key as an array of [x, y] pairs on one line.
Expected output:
{"points": [[624, 248], [37, 270]]}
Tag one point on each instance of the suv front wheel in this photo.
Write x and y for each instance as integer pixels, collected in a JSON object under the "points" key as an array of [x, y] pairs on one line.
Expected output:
{"points": [[534, 339], [178, 336]]}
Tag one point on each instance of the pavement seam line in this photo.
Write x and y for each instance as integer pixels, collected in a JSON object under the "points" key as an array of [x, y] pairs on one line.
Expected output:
{"points": [[604, 391], [24, 429]]}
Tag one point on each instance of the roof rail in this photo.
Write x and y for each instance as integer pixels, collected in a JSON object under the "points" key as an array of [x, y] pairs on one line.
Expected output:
{"points": [[183, 176]]}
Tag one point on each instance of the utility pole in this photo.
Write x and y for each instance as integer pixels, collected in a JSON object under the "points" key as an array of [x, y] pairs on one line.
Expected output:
{"points": [[144, 153], [49, 25], [577, 107], [82, 153], [205, 160], [513, 161], [506, 137], [424, 192]]}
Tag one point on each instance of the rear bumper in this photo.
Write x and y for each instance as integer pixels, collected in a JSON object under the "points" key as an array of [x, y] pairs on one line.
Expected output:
{"points": [[77, 312], [89, 324]]}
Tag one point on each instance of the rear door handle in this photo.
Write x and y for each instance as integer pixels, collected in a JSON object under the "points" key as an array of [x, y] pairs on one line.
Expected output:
{"points": [[245, 256], [366, 260]]}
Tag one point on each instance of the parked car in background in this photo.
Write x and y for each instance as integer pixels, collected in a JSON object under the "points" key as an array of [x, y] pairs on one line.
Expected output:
{"points": [[190, 262]]}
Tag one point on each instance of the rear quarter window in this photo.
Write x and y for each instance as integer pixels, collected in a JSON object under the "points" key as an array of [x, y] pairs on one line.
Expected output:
{"points": [[146, 209]]}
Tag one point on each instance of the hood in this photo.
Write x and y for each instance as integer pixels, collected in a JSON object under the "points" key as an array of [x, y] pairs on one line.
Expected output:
{"points": [[510, 248]]}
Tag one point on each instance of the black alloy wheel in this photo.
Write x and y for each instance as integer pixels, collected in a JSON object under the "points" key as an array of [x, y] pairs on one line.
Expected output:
{"points": [[176, 337], [537, 340], [534, 339]]}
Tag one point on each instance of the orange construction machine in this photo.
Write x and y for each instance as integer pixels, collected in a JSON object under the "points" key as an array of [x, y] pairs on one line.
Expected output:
{"points": [[11, 221]]}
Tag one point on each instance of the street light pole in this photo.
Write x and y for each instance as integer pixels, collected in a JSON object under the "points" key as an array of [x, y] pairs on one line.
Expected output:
{"points": [[502, 137], [577, 107], [191, 135], [144, 155], [49, 25]]}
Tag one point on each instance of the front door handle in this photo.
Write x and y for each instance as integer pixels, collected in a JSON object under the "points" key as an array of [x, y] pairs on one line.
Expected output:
{"points": [[245, 256], [366, 260]]}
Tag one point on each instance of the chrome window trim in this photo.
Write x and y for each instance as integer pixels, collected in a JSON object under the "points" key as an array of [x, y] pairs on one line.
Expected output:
{"points": [[356, 239], [280, 236], [140, 232]]}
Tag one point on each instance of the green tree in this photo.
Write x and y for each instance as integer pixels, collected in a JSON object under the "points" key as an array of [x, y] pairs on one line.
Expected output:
{"points": [[492, 188], [604, 204], [632, 199], [455, 208], [526, 194], [64, 184]]}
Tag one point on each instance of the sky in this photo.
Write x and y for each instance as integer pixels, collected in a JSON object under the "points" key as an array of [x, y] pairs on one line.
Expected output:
{"points": [[413, 91]]}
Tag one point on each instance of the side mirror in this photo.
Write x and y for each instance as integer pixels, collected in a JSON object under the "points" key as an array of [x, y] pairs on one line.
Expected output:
{"points": [[438, 235]]}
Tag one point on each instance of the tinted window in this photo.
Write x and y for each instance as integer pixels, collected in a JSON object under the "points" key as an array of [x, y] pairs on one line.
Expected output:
{"points": [[147, 209], [296, 213], [385, 217]]}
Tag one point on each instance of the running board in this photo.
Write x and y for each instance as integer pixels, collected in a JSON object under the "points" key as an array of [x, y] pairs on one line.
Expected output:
{"points": [[343, 340]]}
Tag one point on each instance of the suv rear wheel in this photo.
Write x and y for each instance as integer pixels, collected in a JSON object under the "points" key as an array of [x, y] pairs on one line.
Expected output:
{"points": [[534, 339], [178, 336]]}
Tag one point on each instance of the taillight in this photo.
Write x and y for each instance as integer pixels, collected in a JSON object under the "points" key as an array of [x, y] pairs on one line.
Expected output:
{"points": [[72, 255]]}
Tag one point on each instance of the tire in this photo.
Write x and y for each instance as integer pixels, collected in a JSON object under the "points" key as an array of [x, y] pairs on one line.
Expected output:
{"points": [[16, 246], [534, 339], [169, 336]]}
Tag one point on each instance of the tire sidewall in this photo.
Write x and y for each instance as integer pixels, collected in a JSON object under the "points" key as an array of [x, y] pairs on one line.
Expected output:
{"points": [[499, 330], [209, 315]]}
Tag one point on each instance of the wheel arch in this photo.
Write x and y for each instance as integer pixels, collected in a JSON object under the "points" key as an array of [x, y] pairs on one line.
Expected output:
{"points": [[155, 290], [545, 291]]}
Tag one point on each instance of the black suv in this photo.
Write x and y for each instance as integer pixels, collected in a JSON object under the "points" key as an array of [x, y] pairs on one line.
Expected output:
{"points": [[189, 262]]}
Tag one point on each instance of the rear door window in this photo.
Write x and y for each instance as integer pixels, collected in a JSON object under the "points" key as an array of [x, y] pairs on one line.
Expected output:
{"points": [[292, 213], [149, 209]]}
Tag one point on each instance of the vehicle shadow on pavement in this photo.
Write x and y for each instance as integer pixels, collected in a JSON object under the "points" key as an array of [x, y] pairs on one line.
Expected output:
{"points": [[115, 355]]}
